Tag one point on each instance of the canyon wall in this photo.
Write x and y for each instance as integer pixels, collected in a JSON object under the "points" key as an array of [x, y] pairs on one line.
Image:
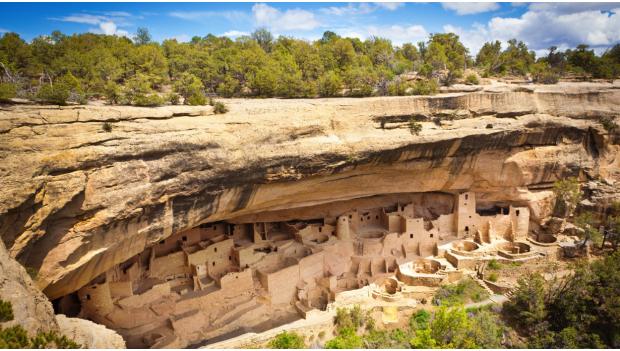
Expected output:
{"points": [[76, 200]]}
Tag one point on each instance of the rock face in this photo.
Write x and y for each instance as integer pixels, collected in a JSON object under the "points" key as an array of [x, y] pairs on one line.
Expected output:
{"points": [[76, 200], [33, 311], [88, 334]]}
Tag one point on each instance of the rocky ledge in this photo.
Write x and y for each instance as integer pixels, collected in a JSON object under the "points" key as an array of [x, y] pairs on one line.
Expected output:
{"points": [[83, 188]]}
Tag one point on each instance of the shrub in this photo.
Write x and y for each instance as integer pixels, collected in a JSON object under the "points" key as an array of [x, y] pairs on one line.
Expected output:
{"points": [[107, 127], [196, 99], [425, 87], [286, 340], [219, 108], [494, 265], [397, 87], [53, 94], [547, 77], [17, 338], [472, 79], [415, 127], [492, 277], [329, 84], [7, 91], [6, 311], [346, 339], [609, 124], [112, 93], [463, 292], [174, 98], [150, 100]]}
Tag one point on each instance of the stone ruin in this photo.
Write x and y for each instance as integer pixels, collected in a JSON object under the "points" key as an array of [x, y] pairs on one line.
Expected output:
{"points": [[220, 279]]}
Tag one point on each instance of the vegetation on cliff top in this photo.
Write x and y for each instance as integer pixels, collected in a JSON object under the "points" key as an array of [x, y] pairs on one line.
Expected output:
{"points": [[58, 68]]}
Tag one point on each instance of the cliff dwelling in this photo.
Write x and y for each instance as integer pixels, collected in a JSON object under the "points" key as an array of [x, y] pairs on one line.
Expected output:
{"points": [[222, 278]]}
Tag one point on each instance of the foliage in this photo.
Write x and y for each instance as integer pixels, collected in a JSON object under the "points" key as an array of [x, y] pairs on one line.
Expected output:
{"points": [[6, 311], [466, 290], [329, 84], [219, 108], [107, 127], [352, 318], [579, 311], [265, 66], [287, 340], [415, 127], [53, 94], [190, 88], [112, 92], [346, 339], [425, 87], [7, 91], [609, 124], [17, 338], [492, 277], [472, 79], [494, 265], [586, 221], [567, 195]]}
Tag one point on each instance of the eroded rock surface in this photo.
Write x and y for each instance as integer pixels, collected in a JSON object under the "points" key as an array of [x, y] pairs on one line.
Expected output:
{"points": [[75, 200], [88, 334]]}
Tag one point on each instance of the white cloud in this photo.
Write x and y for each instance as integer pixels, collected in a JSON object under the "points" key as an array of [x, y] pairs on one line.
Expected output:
{"points": [[473, 38], [548, 24], [292, 19], [201, 15], [2, 30], [108, 23], [234, 33], [390, 5], [362, 8], [400, 34], [470, 8], [109, 28]]}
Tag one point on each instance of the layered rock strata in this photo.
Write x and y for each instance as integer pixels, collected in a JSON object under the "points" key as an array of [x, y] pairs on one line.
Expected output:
{"points": [[77, 200]]}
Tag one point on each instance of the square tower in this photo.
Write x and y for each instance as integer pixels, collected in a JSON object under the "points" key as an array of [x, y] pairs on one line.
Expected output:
{"points": [[466, 216]]}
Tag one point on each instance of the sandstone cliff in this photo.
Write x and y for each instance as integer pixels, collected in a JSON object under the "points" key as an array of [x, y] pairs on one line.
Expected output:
{"points": [[33, 311], [76, 199]]}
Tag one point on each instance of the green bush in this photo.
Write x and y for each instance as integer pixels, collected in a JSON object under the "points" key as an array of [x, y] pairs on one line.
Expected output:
{"points": [[425, 87], [219, 108], [472, 79], [150, 100], [7, 91], [112, 93], [107, 127], [6, 311], [286, 340], [492, 277], [54, 94], [397, 88], [17, 338], [463, 292], [494, 265], [173, 98], [609, 124], [329, 84], [415, 127], [196, 99], [346, 339]]}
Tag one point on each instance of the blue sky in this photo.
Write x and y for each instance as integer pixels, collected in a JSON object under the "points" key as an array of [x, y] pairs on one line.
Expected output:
{"points": [[540, 25]]}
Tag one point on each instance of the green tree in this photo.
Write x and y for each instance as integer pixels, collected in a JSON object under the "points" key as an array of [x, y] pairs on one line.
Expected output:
{"points": [[190, 88], [329, 84], [567, 196], [142, 36], [287, 340], [264, 38]]}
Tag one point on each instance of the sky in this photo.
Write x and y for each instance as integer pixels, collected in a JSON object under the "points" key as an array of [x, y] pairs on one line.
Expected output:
{"points": [[539, 25]]}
